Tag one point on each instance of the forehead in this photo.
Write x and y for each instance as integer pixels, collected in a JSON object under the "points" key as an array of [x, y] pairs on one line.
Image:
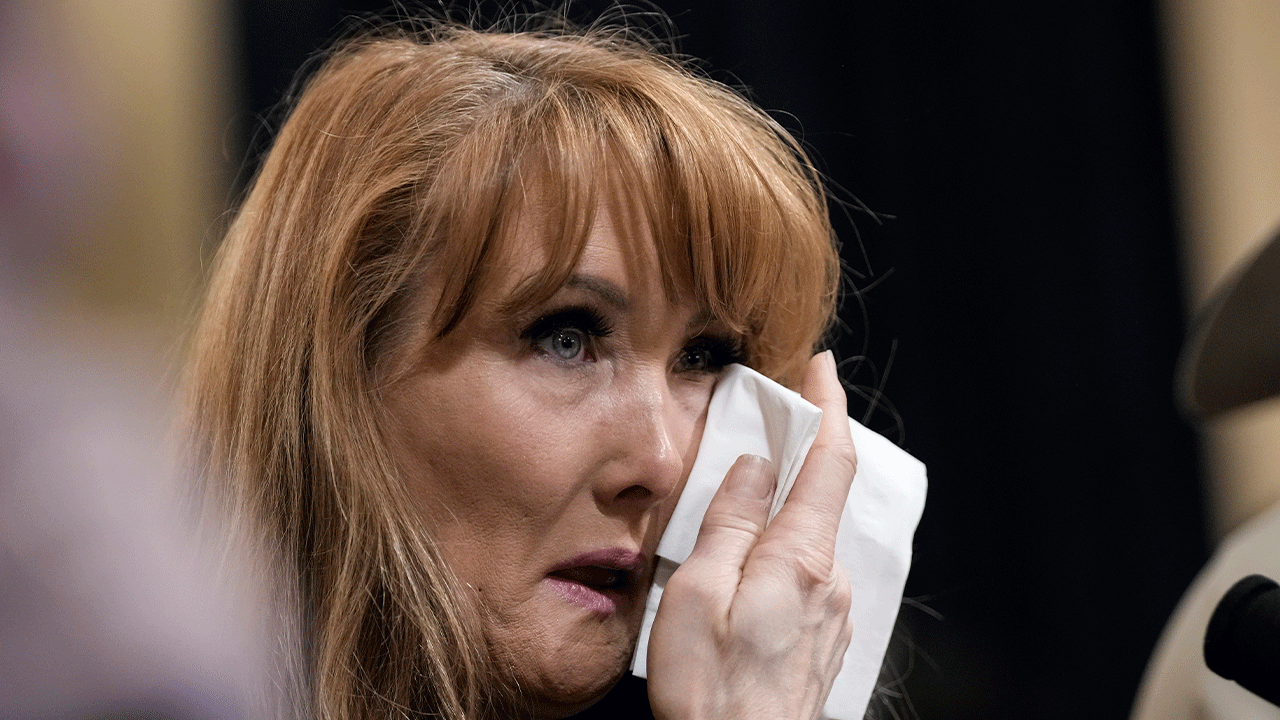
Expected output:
{"points": [[554, 236], [617, 246]]}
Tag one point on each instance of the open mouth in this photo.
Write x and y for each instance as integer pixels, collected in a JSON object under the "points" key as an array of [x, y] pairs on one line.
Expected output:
{"points": [[603, 582], [596, 577]]}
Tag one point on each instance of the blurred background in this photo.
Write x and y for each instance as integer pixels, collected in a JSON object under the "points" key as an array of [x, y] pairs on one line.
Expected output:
{"points": [[1033, 199]]}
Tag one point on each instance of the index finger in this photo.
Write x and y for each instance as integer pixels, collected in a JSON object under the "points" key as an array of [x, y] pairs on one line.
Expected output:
{"points": [[818, 496]]}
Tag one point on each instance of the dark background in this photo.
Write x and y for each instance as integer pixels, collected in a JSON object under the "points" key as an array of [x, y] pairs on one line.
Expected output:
{"points": [[1024, 320]]}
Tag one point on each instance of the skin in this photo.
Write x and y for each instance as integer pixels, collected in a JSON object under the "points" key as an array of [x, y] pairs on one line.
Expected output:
{"points": [[762, 612], [535, 441], [522, 460]]}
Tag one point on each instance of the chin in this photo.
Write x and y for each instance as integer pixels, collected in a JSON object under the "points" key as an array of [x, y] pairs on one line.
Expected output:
{"points": [[567, 701], [561, 658], [572, 687]]}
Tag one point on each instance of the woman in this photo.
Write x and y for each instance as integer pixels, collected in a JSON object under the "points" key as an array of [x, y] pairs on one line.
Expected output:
{"points": [[453, 366]]}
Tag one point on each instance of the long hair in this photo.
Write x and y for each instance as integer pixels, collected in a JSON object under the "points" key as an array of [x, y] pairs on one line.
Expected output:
{"points": [[410, 157]]}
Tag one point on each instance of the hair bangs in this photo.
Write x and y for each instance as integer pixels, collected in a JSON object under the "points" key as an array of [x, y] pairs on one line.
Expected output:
{"points": [[735, 209], [738, 217], [560, 185], [530, 165]]}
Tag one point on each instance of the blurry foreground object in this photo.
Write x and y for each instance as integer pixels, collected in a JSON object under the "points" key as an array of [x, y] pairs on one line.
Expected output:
{"points": [[1232, 358], [107, 606], [106, 609]]}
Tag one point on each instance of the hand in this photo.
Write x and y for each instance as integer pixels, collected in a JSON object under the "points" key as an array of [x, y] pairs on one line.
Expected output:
{"points": [[755, 623]]}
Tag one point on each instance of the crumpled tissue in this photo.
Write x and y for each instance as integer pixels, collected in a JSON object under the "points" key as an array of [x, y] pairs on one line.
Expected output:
{"points": [[749, 413]]}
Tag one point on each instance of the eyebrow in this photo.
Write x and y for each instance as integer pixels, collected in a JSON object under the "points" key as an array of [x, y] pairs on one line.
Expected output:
{"points": [[701, 319], [614, 296], [610, 293]]}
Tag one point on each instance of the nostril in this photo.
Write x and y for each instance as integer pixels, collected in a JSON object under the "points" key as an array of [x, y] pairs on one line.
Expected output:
{"points": [[634, 493]]}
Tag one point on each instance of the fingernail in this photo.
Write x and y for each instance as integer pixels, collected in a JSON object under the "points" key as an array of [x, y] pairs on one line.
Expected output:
{"points": [[830, 359], [751, 477]]}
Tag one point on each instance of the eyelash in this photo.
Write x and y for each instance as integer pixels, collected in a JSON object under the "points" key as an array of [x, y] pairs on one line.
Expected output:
{"points": [[721, 352], [593, 326], [585, 320]]}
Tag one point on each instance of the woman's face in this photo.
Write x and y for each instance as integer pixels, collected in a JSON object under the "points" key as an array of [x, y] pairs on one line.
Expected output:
{"points": [[545, 452]]}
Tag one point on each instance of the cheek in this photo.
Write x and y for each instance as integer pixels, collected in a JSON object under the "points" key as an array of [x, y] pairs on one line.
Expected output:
{"points": [[692, 404], [484, 467]]}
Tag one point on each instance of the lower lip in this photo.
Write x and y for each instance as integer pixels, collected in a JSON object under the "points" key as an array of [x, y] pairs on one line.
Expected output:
{"points": [[595, 600]]}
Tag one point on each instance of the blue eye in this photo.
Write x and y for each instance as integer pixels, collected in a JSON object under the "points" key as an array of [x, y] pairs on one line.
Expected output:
{"points": [[564, 343], [567, 335]]}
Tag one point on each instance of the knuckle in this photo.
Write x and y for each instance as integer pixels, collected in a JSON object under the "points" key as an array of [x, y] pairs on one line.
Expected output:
{"points": [[687, 588], [841, 597], [837, 456], [843, 455], [810, 569], [846, 636], [817, 576], [719, 520]]}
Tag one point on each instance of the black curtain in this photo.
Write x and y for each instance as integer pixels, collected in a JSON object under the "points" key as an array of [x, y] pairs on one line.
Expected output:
{"points": [[1018, 272]]}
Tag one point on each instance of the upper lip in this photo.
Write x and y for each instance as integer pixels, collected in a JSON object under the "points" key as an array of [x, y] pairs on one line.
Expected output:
{"points": [[607, 567]]}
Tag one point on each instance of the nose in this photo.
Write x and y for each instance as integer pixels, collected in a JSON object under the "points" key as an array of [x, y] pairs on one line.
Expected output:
{"points": [[654, 436]]}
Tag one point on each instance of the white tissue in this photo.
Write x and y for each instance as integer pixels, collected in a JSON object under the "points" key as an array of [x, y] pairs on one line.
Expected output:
{"points": [[749, 413]]}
